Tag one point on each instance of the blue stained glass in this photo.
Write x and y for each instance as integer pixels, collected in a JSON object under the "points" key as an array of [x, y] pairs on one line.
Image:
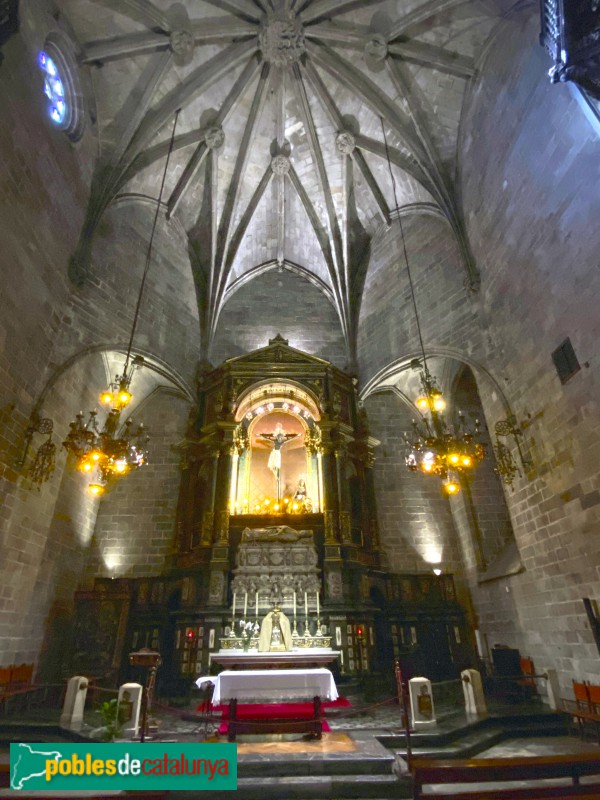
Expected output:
{"points": [[53, 89]]}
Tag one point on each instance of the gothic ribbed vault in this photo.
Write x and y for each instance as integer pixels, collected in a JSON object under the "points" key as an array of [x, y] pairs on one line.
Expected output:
{"points": [[280, 155]]}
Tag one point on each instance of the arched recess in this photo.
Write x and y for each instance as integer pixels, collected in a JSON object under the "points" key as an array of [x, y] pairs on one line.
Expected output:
{"points": [[279, 302], [480, 518], [136, 520], [255, 483], [50, 530], [480, 511]]}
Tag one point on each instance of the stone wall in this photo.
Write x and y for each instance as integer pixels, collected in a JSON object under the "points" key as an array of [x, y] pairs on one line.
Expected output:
{"points": [[41, 179], [48, 334], [279, 302], [529, 178]]}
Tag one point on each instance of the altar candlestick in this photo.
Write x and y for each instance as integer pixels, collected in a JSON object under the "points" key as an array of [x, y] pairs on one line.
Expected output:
{"points": [[306, 604], [256, 614], [294, 604], [317, 605], [245, 605], [233, 610]]}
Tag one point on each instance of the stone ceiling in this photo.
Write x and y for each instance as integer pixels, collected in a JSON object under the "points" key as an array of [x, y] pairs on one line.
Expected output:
{"points": [[279, 153]]}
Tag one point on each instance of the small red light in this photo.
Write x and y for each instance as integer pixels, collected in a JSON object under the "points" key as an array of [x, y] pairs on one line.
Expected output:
{"points": [[360, 631], [190, 634]]}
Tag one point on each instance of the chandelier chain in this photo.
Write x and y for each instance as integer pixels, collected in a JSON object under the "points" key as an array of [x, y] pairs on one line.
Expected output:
{"points": [[149, 252], [410, 280]]}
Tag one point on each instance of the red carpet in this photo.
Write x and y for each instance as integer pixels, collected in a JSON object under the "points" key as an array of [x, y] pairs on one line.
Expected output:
{"points": [[280, 711]]}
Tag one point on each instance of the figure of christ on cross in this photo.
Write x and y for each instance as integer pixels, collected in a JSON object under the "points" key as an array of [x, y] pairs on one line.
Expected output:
{"points": [[278, 438]]}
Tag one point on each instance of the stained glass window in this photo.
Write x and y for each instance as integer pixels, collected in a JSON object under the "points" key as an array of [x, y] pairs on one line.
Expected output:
{"points": [[54, 89]]}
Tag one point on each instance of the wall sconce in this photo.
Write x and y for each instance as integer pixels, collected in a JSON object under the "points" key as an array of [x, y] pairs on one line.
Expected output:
{"points": [[506, 466], [43, 463]]}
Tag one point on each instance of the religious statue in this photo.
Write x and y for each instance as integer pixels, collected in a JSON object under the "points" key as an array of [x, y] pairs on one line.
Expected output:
{"points": [[275, 633], [300, 497], [278, 438], [276, 533], [300, 493]]}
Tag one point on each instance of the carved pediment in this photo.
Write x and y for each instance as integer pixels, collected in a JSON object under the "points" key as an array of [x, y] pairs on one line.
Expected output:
{"points": [[278, 351]]}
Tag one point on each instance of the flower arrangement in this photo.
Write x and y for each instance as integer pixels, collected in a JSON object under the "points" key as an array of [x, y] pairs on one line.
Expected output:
{"points": [[249, 629]]}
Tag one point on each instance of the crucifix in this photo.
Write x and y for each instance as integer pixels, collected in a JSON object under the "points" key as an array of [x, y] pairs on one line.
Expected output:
{"points": [[279, 438]]}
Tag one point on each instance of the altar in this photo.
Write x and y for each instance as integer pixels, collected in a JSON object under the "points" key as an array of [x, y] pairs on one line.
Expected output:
{"points": [[307, 658], [260, 688], [283, 685]]}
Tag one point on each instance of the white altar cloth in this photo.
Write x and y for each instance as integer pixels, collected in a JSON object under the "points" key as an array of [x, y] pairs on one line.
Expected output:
{"points": [[275, 685]]}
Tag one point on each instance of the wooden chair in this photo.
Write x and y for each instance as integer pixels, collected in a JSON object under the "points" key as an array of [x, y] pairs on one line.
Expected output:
{"points": [[582, 698], [582, 710], [5, 673], [528, 680], [593, 697], [21, 676]]}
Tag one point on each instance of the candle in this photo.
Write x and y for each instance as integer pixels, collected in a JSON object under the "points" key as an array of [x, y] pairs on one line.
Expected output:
{"points": [[306, 604], [233, 612], [294, 604], [317, 605], [245, 604], [256, 614]]}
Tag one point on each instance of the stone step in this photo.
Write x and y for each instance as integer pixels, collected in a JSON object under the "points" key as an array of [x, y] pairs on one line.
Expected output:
{"points": [[348, 787], [333, 764]]}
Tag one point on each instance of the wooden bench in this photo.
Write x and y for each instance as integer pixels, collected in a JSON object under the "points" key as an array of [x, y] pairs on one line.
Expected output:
{"points": [[427, 772], [312, 724]]}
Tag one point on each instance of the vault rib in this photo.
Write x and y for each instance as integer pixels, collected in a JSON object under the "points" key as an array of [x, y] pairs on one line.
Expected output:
{"points": [[350, 77], [421, 14], [333, 8], [239, 8], [317, 155], [224, 233], [195, 162], [196, 83], [324, 242], [336, 117], [138, 10], [242, 227], [123, 47], [435, 57]]}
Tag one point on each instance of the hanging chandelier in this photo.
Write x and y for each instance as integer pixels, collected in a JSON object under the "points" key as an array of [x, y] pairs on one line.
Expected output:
{"points": [[433, 447], [114, 449]]}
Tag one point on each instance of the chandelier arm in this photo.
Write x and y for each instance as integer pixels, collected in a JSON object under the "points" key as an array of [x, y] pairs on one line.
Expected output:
{"points": [[410, 280], [149, 252]]}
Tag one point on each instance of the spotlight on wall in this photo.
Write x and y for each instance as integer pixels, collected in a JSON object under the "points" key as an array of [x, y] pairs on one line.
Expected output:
{"points": [[437, 571]]}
